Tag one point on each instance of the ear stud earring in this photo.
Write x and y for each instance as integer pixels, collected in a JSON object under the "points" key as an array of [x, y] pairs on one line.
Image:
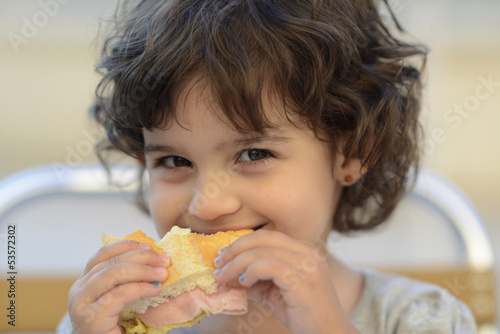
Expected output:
{"points": [[348, 178]]}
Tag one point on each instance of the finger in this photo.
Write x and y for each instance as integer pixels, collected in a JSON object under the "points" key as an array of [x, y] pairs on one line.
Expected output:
{"points": [[114, 249], [113, 276], [281, 273], [237, 266], [115, 300], [265, 292], [295, 285], [258, 239], [142, 256], [128, 293]]}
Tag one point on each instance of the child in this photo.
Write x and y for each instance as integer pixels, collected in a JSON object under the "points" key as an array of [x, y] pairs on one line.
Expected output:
{"points": [[288, 117]]}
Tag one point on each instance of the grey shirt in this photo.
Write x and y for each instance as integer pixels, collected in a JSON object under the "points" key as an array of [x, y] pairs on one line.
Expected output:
{"points": [[395, 304], [392, 305]]}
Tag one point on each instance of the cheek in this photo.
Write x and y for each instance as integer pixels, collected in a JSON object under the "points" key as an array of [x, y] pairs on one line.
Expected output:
{"points": [[300, 203], [166, 206]]}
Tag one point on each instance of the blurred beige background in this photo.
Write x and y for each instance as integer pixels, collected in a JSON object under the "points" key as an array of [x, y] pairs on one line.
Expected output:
{"points": [[47, 54]]}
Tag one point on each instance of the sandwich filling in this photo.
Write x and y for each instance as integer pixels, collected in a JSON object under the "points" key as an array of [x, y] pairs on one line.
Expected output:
{"points": [[188, 305]]}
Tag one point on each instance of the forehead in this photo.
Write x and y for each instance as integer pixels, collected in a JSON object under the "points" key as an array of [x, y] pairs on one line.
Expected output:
{"points": [[196, 98]]}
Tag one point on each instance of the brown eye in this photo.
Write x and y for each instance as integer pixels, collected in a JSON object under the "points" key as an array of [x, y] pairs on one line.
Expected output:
{"points": [[174, 162], [254, 154]]}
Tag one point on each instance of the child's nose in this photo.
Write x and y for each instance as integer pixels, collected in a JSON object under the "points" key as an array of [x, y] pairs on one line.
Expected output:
{"points": [[213, 198]]}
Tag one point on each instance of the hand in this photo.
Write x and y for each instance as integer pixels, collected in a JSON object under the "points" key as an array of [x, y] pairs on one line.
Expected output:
{"points": [[291, 277], [118, 274]]}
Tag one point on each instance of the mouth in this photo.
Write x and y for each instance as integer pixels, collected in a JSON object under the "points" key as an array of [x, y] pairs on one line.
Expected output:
{"points": [[258, 227], [210, 232]]}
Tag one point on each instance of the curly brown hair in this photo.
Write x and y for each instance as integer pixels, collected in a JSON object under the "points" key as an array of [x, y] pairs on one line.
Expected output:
{"points": [[336, 62]]}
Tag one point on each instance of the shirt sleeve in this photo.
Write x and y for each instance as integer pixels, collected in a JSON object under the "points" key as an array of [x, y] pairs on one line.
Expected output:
{"points": [[435, 312], [65, 326], [398, 305]]}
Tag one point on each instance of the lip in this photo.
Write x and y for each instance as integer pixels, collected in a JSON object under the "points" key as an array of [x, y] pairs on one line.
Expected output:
{"points": [[225, 229]]}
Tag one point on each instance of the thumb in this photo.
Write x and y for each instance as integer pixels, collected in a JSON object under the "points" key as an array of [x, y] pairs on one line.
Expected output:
{"points": [[265, 292]]}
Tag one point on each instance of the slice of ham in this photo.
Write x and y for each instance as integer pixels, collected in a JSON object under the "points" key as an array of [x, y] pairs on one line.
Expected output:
{"points": [[186, 306]]}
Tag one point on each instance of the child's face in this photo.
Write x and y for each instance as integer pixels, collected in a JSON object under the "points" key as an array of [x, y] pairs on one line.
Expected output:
{"points": [[209, 177]]}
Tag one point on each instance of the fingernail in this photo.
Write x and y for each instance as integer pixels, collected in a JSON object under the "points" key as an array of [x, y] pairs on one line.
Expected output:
{"points": [[164, 258], [217, 260], [218, 271], [220, 251], [145, 245], [241, 278], [156, 284]]}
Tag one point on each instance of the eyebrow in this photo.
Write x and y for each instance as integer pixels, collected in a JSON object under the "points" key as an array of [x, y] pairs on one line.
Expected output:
{"points": [[245, 141]]}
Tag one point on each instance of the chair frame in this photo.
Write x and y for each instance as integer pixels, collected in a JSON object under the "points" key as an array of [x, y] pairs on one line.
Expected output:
{"points": [[453, 203]]}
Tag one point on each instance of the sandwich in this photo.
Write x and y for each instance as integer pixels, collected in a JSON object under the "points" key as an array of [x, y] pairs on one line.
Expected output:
{"points": [[190, 291]]}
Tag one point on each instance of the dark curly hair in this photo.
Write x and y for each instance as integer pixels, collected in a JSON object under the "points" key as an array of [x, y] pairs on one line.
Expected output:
{"points": [[336, 62]]}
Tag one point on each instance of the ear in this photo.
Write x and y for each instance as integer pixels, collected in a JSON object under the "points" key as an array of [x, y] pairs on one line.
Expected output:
{"points": [[348, 172]]}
